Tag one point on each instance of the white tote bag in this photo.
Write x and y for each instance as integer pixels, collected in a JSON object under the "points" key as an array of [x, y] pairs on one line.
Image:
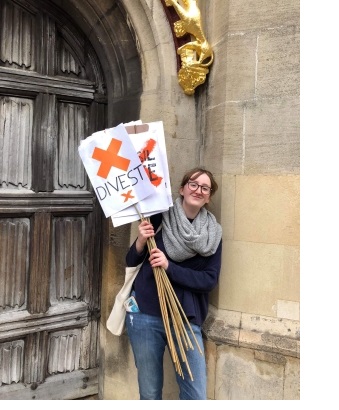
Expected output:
{"points": [[116, 321]]}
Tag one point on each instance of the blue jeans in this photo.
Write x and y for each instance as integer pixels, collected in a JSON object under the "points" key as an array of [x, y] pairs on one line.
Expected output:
{"points": [[148, 339]]}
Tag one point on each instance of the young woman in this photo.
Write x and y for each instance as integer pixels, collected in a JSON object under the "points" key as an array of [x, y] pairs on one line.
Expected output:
{"points": [[189, 249]]}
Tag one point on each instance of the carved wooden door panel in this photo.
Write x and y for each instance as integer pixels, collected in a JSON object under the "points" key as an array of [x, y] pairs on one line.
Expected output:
{"points": [[51, 97]]}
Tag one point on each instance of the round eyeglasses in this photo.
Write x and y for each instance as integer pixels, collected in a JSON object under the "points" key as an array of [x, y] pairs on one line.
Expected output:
{"points": [[193, 186]]}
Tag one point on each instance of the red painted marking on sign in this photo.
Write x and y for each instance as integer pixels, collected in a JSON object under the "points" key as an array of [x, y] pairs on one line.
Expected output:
{"points": [[147, 150], [128, 196], [143, 155], [154, 178], [109, 158]]}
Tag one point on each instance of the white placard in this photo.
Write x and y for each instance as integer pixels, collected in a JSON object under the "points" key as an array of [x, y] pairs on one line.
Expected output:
{"points": [[113, 166], [151, 148]]}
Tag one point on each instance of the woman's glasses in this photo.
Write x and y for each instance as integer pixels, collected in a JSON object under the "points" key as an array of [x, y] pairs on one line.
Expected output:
{"points": [[193, 186]]}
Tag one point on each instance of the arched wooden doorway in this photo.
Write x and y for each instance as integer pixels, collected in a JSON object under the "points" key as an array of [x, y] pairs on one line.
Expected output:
{"points": [[53, 93]]}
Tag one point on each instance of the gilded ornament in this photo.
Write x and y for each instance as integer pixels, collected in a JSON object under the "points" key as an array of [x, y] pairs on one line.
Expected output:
{"points": [[195, 55]]}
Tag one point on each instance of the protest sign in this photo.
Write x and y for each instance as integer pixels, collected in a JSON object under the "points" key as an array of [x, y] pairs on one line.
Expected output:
{"points": [[149, 142], [113, 166]]}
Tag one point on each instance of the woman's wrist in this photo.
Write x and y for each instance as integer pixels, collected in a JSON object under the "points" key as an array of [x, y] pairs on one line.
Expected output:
{"points": [[139, 246]]}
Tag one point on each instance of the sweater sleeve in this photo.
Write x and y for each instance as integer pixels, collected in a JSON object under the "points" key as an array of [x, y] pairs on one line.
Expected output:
{"points": [[197, 280], [133, 258]]}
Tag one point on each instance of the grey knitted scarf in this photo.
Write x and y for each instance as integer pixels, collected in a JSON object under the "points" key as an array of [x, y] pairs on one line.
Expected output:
{"points": [[183, 239]]}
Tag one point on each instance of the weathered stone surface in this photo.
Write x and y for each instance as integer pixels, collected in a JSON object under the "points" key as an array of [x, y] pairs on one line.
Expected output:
{"points": [[211, 361], [266, 324], [255, 275], [263, 201], [269, 343], [278, 63], [241, 67], [234, 139], [220, 332], [240, 376], [212, 142], [272, 135], [270, 357], [247, 15], [292, 379], [227, 199], [259, 365], [288, 310], [264, 334]]}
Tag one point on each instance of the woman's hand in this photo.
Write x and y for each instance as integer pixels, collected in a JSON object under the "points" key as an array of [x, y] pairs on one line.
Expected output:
{"points": [[158, 258], [146, 230]]}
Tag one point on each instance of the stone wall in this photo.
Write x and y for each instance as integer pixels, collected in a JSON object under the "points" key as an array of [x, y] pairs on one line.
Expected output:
{"points": [[242, 124], [252, 108]]}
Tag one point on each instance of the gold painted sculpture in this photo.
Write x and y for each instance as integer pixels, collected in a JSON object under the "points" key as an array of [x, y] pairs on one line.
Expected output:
{"points": [[196, 55]]}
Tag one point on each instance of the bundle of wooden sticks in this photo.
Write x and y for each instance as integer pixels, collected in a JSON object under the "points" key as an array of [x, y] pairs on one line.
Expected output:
{"points": [[172, 312]]}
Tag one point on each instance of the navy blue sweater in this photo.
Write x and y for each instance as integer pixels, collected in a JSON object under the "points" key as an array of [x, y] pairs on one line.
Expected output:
{"points": [[192, 279]]}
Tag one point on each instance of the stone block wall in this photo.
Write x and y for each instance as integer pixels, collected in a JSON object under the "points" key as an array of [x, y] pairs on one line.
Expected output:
{"points": [[252, 109], [243, 125]]}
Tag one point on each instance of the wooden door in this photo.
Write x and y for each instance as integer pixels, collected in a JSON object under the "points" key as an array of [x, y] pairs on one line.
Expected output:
{"points": [[51, 97]]}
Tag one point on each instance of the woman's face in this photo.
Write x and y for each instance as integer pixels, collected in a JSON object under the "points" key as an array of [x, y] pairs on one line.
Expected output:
{"points": [[196, 192]]}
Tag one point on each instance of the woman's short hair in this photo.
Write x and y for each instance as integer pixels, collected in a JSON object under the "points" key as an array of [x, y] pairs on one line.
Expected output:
{"points": [[195, 173]]}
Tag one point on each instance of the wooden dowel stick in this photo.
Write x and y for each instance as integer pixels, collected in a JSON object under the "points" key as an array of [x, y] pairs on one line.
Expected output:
{"points": [[170, 305]]}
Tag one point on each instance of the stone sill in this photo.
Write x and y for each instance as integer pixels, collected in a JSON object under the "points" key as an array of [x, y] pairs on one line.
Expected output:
{"points": [[263, 333]]}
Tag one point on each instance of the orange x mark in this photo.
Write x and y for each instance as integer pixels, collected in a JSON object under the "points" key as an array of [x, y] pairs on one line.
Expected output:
{"points": [[109, 158], [128, 196], [144, 153]]}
